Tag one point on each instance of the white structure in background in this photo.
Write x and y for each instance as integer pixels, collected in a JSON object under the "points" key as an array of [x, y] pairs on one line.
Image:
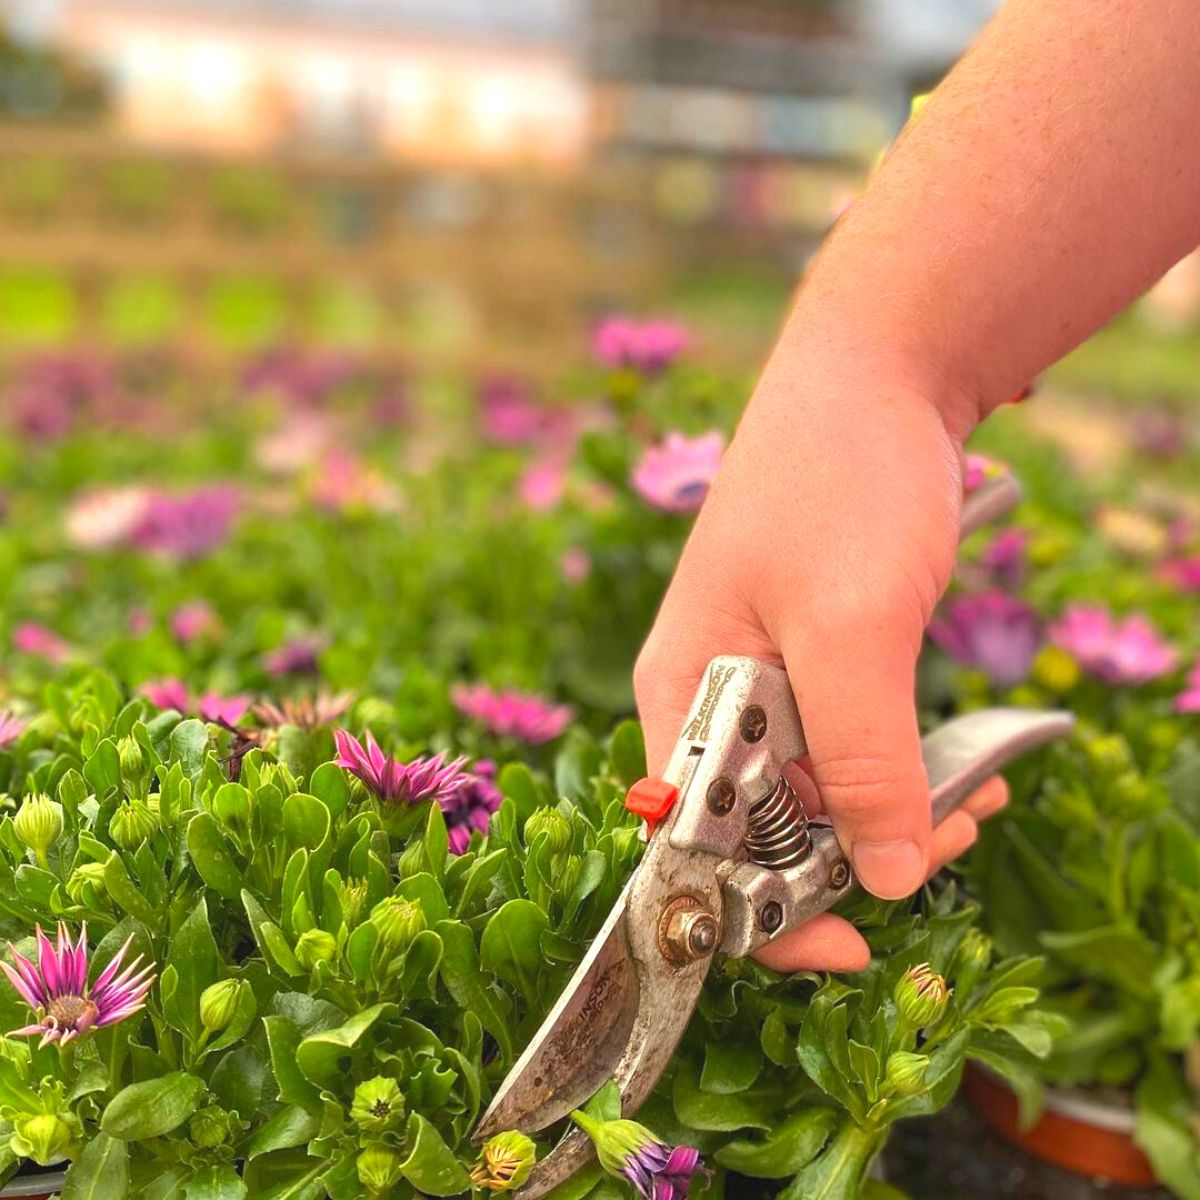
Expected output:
{"points": [[431, 80]]}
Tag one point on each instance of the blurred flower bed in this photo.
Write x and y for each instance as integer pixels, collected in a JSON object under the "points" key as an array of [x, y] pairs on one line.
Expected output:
{"points": [[311, 713]]}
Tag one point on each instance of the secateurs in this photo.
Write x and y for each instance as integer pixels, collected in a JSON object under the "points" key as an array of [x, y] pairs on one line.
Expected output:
{"points": [[733, 862]]}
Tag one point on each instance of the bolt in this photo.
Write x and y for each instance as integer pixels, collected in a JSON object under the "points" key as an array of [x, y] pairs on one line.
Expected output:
{"points": [[702, 934], [770, 916], [754, 724], [721, 795], [687, 931], [839, 874]]}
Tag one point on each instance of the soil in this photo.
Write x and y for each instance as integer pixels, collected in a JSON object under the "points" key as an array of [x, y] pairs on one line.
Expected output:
{"points": [[955, 1156]]}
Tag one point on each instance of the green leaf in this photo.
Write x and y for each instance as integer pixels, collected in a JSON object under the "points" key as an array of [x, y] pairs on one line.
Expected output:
{"points": [[436, 841], [215, 1183], [103, 767], [290, 1126], [101, 1172], [431, 1166], [189, 746], [194, 962], [708, 1111], [1164, 1130], [286, 1175], [320, 1055], [730, 1067], [627, 753], [153, 1107], [511, 944], [605, 1105], [468, 988], [126, 893], [305, 820], [283, 1039], [785, 1150], [213, 856], [329, 785]]}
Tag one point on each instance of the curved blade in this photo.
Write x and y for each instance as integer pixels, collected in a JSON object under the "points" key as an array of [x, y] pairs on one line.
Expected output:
{"points": [[987, 503]]}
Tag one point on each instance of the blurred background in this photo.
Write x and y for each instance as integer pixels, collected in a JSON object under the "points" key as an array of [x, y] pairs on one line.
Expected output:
{"points": [[443, 179]]}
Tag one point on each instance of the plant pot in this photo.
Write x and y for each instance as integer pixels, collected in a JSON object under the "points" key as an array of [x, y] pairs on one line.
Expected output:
{"points": [[37, 1185], [1075, 1131]]}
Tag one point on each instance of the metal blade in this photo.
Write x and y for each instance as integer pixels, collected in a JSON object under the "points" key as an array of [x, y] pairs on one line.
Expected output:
{"points": [[987, 503]]}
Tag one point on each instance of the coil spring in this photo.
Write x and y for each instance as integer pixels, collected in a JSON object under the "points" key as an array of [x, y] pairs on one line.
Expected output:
{"points": [[777, 835]]}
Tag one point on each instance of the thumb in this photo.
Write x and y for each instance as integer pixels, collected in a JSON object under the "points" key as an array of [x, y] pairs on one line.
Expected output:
{"points": [[856, 699]]}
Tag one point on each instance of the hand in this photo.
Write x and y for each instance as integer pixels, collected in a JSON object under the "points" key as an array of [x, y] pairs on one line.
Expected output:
{"points": [[827, 539]]}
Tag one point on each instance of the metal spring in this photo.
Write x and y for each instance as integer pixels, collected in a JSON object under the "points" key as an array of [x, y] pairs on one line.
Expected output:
{"points": [[777, 836]]}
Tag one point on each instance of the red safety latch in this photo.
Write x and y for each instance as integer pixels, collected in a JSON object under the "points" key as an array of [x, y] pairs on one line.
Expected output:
{"points": [[651, 799]]}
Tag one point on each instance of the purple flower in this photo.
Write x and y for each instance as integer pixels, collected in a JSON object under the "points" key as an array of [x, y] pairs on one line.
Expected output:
{"points": [[675, 475], [508, 713], [1160, 433], [298, 376], [31, 638], [991, 631], [295, 657], [1188, 701], [1004, 557], [1182, 573], [630, 1151], [57, 988], [646, 346], [1127, 651], [188, 525], [394, 781], [11, 728], [471, 807], [193, 620]]}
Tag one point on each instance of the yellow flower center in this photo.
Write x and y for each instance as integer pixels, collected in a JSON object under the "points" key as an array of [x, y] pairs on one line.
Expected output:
{"points": [[68, 1011]]}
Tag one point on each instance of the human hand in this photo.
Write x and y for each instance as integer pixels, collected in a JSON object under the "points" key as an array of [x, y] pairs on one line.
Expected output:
{"points": [[824, 544]]}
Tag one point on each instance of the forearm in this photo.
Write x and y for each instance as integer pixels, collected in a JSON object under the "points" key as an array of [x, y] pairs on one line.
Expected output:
{"points": [[1051, 178]]}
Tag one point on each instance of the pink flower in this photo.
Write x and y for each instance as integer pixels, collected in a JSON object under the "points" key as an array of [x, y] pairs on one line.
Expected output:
{"points": [[345, 483], [188, 525], [991, 631], [509, 414], [1160, 433], [298, 443], [979, 470], [1182, 573], [675, 475], [1004, 557], [470, 808], [575, 564], [217, 709], [1127, 651], [646, 346], [294, 657], [11, 728], [57, 988], [508, 713], [306, 712], [298, 376], [1188, 701], [139, 621], [31, 638], [106, 517], [543, 483], [394, 781], [193, 620]]}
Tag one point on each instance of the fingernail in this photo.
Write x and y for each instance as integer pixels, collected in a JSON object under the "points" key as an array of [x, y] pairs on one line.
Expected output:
{"points": [[890, 870]]}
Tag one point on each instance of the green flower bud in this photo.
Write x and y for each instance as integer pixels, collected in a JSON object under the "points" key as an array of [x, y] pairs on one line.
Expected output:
{"points": [[353, 896], [38, 824], [971, 959], [315, 946], [132, 824], [921, 997], [211, 1126], [1109, 754], [47, 1138], [135, 770], [905, 1074], [379, 1168], [219, 1003], [552, 823], [1055, 670], [398, 922], [85, 884], [377, 1104], [504, 1162]]}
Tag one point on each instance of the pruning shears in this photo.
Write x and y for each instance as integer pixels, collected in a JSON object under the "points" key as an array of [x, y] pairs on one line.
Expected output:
{"points": [[732, 862]]}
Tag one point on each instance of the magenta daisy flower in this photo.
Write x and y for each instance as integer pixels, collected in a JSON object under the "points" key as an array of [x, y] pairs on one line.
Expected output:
{"points": [[32, 638], [991, 631], [394, 781], [508, 713], [295, 657], [11, 728], [1127, 651], [187, 525], [217, 709], [629, 1151], [193, 620], [646, 346], [471, 807], [305, 712], [676, 474], [57, 988]]}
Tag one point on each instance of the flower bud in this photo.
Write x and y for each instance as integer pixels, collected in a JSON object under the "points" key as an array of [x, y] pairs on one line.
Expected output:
{"points": [[1055, 669], [1109, 754], [86, 886], [219, 1003], [905, 1073], [379, 1168], [211, 1126], [921, 997], [398, 922], [315, 946], [38, 824], [353, 895], [971, 959], [377, 1104], [552, 823], [504, 1162], [132, 824], [46, 1138], [135, 770]]}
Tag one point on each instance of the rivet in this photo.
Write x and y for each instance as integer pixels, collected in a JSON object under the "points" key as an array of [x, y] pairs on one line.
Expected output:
{"points": [[770, 916], [754, 724], [839, 874], [721, 795]]}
